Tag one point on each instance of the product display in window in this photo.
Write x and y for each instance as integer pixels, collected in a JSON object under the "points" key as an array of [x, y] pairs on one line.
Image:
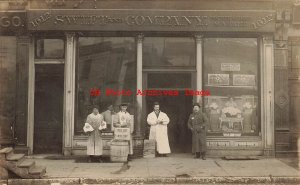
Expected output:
{"points": [[231, 114], [231, 75]]}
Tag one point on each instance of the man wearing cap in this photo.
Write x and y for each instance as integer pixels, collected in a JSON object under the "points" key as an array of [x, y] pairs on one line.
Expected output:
{"points": [[159, 130], [197, 124], [124, 120], [94, 125]]}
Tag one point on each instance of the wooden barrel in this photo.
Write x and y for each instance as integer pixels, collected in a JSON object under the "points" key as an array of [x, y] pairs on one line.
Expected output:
{"points": [[119, 151]]}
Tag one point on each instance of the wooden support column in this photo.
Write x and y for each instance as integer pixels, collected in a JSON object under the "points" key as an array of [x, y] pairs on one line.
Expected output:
{"points": [[281, 99], [139, 84], [199, 65], [267, 94], [69, 93], [20, 127], [30, 108]]}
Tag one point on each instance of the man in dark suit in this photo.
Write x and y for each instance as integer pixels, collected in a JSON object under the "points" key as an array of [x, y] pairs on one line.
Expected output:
{"points": [[197, 123]]}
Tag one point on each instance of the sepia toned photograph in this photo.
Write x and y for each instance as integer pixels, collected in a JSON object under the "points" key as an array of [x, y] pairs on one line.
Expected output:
{"points": [[149, 92]]}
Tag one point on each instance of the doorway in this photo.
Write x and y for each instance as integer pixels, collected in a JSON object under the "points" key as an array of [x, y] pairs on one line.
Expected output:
{"points": [[48, 108], [178, 108]]}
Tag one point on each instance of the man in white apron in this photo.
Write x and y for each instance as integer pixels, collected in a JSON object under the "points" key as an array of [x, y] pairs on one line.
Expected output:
{"points": [[159, 130]]}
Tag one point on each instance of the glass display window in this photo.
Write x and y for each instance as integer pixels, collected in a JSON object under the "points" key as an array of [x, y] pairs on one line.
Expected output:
{"points": [[169, 52], [105, 67], [231, 74]]}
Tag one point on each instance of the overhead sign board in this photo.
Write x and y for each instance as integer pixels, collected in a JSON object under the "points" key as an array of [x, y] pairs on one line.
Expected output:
{"points": [[11, 22], [151, 20]]}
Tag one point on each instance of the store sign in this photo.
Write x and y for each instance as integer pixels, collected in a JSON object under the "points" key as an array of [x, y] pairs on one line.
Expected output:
{"points": [[230, 67], [218, 79], [12, 21], [244, 80], [122, 134], [151, 20]]}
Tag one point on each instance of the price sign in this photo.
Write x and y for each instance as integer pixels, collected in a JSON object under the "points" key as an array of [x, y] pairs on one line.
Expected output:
{"points": [[122, 134]]}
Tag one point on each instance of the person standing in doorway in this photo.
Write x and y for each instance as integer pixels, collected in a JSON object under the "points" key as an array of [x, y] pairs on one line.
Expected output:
{"points": [[159, 121], [197, 123], [93, 126], [107, 115], [124, 120]]}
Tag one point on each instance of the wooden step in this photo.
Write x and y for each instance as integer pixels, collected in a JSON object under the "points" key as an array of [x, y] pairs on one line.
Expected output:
{"points": [[7, 150], [26, 164], [37, 170], [14, 157]]}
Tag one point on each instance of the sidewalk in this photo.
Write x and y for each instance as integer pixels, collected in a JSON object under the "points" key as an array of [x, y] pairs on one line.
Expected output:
{"points": [[178, 168]]}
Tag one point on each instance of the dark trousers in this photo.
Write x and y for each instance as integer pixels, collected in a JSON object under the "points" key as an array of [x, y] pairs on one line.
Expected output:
{"points": [[199, 142]]}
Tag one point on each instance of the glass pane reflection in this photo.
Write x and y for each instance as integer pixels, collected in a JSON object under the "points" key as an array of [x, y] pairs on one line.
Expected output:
{"points": [[168, 51], [50, 48], [104, 63]]}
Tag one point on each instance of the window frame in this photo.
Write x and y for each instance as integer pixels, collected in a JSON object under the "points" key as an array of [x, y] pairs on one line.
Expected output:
{"points": [[50, 60], [259, 88], [76, 132]]}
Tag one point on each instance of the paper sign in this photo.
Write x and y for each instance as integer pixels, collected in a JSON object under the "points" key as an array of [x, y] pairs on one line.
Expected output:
{"points": [[122, 134], [230, 67], [218, 79], [244, 80]]}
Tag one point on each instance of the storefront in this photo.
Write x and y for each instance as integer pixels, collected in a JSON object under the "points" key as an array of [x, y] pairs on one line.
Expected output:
{"points": [[12, 78], [72, 49]]}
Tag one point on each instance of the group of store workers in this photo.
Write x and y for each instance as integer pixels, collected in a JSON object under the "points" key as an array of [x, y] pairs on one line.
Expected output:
{"points": [[158, 122]]}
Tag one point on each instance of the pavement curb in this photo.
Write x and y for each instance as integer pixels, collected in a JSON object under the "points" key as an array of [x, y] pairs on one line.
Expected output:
{"points": [[134, 180], [224, 180], [286, 180], [62, 181], [3, 181], [156, 180]]}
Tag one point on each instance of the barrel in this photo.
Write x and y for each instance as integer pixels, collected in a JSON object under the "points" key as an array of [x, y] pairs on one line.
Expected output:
{"points": [[119, 151]]}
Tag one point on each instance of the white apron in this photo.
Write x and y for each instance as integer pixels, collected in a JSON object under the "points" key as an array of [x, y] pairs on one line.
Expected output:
{"points": [[94, 143], [159, 132]]}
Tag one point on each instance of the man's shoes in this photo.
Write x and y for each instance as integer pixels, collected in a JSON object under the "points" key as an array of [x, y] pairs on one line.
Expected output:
{"points": [[157, 154], [129, 158], [100, 160], [197, 155], [91, 159], [203, 156]]}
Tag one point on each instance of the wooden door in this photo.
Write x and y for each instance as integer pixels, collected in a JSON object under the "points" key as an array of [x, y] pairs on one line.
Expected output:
{"points": [[48, 111]]}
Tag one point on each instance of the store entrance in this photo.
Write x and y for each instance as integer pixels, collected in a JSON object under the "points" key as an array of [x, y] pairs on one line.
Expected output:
{"points": [[48, 108], [178, 109]]}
